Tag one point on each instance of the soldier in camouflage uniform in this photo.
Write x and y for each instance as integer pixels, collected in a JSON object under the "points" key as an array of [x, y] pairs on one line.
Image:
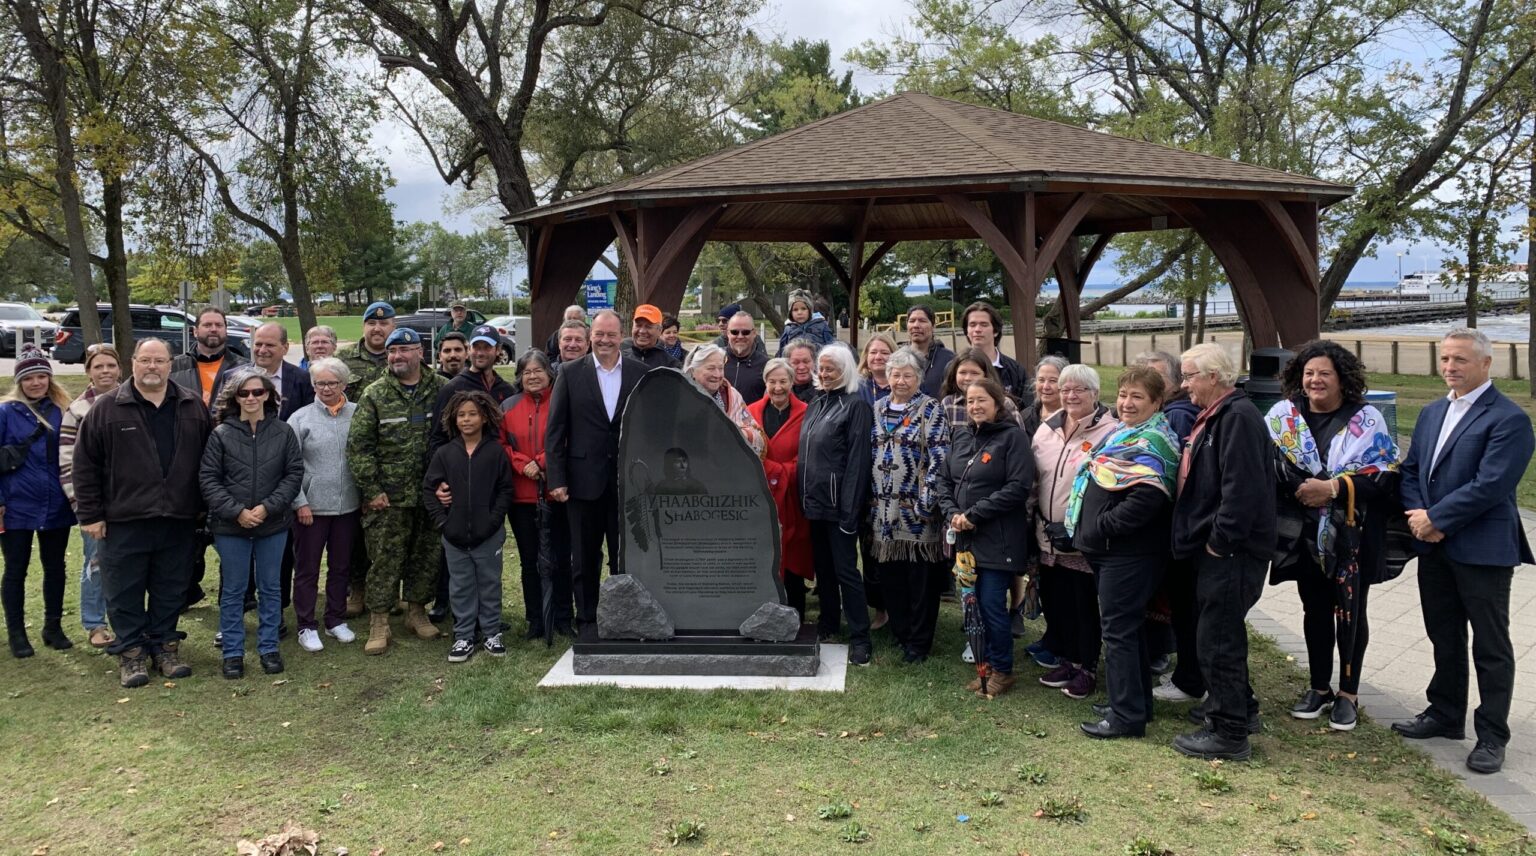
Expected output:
{"points": [[368, 360], [387, 452]]}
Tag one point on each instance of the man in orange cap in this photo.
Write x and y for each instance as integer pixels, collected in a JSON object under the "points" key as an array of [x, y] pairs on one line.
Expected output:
{"points": [[644, 342]]}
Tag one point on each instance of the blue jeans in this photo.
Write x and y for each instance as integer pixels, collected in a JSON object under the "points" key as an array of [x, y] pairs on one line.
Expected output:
{"points": [[992, 589], [235, 557], [93, 600]]}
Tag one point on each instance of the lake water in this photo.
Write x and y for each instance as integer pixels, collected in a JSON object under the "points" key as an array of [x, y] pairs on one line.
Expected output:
{"points": [[1499, 328]]}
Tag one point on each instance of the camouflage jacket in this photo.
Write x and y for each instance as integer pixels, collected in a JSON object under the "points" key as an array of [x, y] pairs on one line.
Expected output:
{"points": [[388, 441], [366, 368]]}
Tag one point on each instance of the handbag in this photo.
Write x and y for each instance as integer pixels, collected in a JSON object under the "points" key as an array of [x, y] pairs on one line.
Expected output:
{"points": [[14, 455]]}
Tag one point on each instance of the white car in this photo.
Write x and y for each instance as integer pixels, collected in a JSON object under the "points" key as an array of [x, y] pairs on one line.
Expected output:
{"points": [[21, 323]]}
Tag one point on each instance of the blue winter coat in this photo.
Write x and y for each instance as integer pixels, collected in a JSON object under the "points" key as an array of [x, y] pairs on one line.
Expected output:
{"points": [[815, 331], [32, 495]]}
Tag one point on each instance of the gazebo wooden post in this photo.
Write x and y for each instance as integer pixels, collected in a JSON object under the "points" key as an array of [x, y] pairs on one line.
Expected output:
{"points": [[559, 258], [1072, 266], [660, 249], [861, 267]]}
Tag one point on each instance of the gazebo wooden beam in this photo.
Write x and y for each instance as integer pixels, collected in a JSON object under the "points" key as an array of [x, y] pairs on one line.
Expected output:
{"points": [[1291, 238], [562, 257]]}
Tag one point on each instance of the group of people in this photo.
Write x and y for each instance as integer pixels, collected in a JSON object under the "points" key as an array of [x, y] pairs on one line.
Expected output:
{"points": [[1137, 529]]}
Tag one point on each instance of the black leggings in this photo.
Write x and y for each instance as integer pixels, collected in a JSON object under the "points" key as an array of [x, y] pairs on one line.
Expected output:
{"points": [[17, 547], [1317, 603]]}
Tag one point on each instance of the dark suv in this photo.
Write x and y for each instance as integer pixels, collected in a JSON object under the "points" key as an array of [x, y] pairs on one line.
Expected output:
{"points": [[160, 322], [428, 321]]}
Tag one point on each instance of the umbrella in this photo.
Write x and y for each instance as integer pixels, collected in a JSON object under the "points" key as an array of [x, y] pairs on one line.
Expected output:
{"points": [[546, 564], [1342, 564], [972, 626]]}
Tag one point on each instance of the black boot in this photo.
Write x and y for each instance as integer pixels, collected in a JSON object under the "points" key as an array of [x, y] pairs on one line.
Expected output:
{"points": [[53, 635], [20, 647]]}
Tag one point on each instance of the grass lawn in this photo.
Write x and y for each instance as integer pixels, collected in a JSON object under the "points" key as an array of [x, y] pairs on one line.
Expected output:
{"points": [[349, 328], [407, 754]]}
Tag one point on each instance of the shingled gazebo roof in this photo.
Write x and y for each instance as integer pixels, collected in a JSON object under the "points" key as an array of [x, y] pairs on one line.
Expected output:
{"points": [[1045, 197], [912, 142]]}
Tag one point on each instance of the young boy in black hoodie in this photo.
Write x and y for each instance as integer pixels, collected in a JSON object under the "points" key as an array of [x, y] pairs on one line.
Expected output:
{"points": [[478, 478]]}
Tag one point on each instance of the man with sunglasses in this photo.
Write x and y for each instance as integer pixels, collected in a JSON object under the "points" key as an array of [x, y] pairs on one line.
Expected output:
{"points": [[745, 356], [387, 451], [136, 465]]}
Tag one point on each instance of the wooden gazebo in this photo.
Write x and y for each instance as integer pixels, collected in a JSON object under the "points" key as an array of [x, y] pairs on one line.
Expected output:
{"points": [[1045, 197]]}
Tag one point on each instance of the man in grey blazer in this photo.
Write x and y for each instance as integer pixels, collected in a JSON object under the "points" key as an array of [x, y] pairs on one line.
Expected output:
{"points": [[1468, 453]]}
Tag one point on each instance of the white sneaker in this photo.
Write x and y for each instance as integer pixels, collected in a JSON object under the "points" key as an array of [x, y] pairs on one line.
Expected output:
{"points": [[966, 656], [1169, 691], [309, 640], [341, 633]]}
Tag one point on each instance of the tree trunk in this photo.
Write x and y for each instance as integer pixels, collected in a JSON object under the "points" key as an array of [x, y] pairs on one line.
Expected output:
{"points": [[1200, 329], [1474, 268], [112, 200], [1189, 319], [50, 62]]}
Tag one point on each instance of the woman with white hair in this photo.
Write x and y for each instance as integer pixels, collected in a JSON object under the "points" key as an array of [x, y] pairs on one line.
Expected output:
{"points": [[1224, 521], [910, 445], [833, 470], [706, 367], [1067, 592], [327, 506]]}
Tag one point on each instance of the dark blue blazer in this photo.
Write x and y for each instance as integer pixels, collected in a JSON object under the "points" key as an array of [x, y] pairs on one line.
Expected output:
{"points": [[297, 391], [1470, 492]]}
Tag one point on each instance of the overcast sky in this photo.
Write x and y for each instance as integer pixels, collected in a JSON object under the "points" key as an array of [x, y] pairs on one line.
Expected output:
{"points": [[419, 193]]}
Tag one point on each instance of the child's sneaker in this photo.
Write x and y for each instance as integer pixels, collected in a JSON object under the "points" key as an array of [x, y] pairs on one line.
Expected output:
{"points": [[461, 651], [494, 647]]}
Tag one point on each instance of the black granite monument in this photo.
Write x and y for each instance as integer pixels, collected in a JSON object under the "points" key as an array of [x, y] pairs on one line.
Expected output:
{"points": [[700, 534]]}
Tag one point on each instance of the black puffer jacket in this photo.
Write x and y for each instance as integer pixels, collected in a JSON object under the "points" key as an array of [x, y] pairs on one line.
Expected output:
{"points": [[835, 459], [242, 469], [482, 491], [989, 477]]}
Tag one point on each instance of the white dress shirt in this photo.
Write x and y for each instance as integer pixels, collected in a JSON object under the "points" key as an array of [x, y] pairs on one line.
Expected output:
{"points": [[1460, 407], [609, 381]]}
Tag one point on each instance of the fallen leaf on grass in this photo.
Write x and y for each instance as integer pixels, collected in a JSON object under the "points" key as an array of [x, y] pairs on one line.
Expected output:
{"points": [[40, 850], [279, 682], [286, 724], [54, 801], [437, 846], [291, 840], [464, 842], [124, 700], [170, 685], [1309, 815], [323, 686]]}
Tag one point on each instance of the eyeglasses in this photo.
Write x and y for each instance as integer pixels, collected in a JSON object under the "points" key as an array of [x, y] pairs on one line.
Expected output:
{"points": [[327, 384], [250, 393], [153, 362], [1076, 390], [741, 332]]}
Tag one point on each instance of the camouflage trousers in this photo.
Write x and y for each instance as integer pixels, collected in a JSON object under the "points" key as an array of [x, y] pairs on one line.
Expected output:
{"points": [[403, 548]]}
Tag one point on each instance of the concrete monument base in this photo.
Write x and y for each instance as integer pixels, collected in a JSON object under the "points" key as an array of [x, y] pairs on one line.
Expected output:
{"points": [[697, 653]]}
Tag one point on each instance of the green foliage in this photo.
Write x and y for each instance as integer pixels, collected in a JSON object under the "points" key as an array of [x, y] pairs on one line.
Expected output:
{"points": [[1141, 845], [29, 270], [853, 832], [1031, 774], [796, 85], [1067, 808], [834, 811], [1212, 780], [685, 832]]}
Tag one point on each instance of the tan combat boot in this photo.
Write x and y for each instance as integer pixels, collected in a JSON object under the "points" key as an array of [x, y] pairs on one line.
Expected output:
{"points": [[378, 633], [355, 605], [416, 619]]}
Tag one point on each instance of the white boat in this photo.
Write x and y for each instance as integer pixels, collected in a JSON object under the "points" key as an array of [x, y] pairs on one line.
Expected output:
{"points": [[1434, 282]]}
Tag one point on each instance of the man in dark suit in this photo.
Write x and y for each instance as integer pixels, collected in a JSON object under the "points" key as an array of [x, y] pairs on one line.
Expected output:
{"points": [[1469, 450], [582, 449], [269, 351]]}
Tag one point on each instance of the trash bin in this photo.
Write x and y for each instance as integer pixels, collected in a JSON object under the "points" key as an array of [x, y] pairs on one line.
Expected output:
{"points": [[1072, 349], [1384, 400], [1263, 383]]}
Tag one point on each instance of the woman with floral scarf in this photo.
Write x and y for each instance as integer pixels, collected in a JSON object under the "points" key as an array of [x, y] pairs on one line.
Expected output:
{"points": [[706, 367], [1324, 432], [1118, 515]]}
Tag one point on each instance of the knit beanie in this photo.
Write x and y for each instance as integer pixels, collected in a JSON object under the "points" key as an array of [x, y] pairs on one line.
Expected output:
{"points": [[800, 295], [32, 361]]}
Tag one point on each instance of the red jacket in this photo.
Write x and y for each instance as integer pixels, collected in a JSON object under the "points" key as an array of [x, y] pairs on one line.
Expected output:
{"points": [[524, 419], [780, 465]]}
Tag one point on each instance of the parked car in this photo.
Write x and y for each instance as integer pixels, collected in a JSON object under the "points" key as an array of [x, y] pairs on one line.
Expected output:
{"points": [[428, 321], [21, 323], [160, 322]]}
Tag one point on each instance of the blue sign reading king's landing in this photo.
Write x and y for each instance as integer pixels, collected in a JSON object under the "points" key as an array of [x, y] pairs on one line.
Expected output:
{"points": [[599, 294]]}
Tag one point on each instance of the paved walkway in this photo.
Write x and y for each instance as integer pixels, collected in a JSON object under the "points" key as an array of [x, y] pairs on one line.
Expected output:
{"points": [[1398, 665]]}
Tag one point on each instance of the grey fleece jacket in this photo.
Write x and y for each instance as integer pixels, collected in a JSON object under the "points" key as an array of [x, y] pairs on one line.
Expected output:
{"points": [[328, 488]]}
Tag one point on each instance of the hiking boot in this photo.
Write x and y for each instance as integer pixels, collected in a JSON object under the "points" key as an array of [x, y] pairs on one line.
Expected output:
{"points": [[53, 636], [355, 605], [168, 661], [1000, 683], [132, 668], [21, 647], [416, 619], [1059, 676], [1082, 685], [378, 633]]}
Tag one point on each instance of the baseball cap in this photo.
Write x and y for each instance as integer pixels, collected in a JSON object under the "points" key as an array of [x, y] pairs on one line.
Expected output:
{"points": [[403, 336], [485, 333], [379, 310], [647, 312], [456, 306]]}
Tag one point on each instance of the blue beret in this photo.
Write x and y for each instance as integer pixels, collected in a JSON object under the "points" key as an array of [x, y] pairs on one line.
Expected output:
{"points": [[403, 336], [378, 309]]}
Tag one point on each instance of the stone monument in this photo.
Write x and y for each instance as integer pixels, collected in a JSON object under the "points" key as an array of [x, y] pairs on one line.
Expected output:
{"points": [[700, 536]]}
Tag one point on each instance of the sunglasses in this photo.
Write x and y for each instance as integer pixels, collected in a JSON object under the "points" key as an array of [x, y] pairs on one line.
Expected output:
{"points": [[741, 332], [251, 393]]}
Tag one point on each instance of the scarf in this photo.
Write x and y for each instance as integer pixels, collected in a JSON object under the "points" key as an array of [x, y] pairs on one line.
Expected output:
{"points": [[1194, 436], [1362, 447], [1131, 455]]}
